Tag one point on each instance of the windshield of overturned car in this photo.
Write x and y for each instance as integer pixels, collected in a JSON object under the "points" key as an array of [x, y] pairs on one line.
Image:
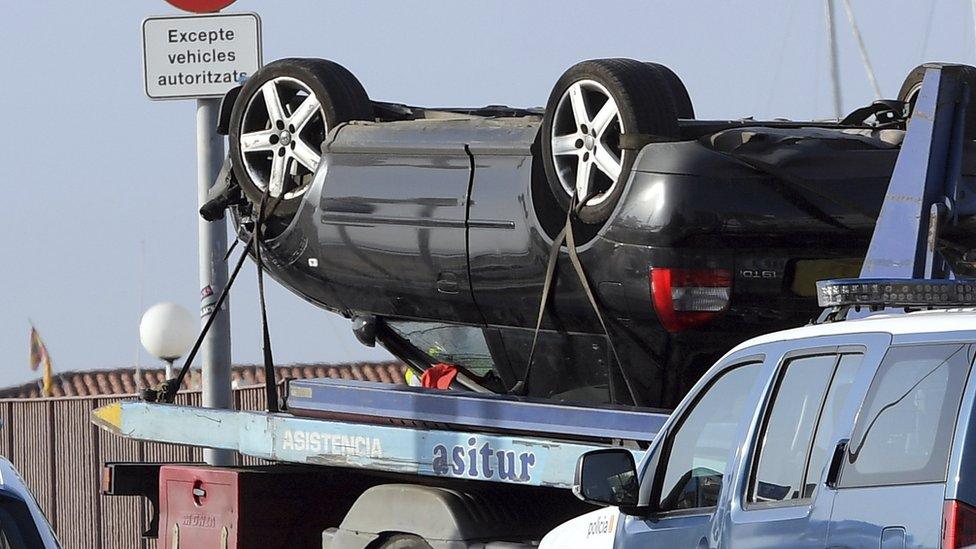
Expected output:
{"points": [[568, 367]]}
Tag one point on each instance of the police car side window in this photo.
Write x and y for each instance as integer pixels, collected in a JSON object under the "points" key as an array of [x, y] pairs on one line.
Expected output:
{"points": [[823, 441], [787, 466], [905, 427], [697, 451]]}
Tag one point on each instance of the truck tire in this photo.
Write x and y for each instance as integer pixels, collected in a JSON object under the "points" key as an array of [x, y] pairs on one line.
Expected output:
{"points": [[279, 121], [912, 85], [403, 541], [591, 106]]}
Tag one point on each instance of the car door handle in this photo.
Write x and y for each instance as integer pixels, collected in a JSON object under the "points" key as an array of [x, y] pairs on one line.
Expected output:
{"points": [[447, 283], [833, 472]]}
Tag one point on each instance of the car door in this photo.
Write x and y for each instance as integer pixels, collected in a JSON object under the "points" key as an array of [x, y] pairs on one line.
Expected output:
{"points": [[779, 497], [684, 476], [392, 219], [891, 483]]}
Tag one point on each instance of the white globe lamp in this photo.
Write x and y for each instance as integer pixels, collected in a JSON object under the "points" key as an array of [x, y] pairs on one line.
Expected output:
{"points": [[167, 331]]}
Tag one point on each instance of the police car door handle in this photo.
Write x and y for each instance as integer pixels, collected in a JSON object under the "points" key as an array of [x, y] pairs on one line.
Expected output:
{"points": [[833, 472]]}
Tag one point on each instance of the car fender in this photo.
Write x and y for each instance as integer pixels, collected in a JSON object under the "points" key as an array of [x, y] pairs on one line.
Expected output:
{"points": [[225, 110], [594, 530]]}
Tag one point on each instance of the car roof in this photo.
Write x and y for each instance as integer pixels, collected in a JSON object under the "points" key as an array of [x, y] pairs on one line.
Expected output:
{"points": [[916, 322]]}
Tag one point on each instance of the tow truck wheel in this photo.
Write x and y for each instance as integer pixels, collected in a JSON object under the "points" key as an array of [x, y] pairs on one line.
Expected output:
{"points": [[279, 121], [912, 86], [592, 105], [403, 541]]}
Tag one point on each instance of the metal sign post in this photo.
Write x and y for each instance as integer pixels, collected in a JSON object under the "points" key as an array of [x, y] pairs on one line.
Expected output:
{"points": [[215, 352], [202, 58]]}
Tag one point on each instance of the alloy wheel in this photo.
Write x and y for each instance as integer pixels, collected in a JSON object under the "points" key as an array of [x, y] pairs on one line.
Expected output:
{"points": [[586, 142], [282, 129]]}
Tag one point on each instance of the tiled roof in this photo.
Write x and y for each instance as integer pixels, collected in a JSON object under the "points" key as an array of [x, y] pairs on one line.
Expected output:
{"points": [[123, 381]]}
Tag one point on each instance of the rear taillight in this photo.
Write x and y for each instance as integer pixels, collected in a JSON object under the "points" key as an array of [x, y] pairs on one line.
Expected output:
{"points": [[686, 298], [958, 525]]}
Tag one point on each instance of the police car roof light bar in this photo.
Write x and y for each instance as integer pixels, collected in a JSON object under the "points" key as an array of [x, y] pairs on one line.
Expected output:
{"points": [[879, 293]]}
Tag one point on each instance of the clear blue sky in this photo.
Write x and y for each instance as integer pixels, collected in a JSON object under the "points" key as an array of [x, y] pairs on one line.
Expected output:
{"points": [[92, 168]]}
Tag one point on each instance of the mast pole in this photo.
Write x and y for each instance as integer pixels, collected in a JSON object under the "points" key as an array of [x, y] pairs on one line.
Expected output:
{"points": [[832, 56]]}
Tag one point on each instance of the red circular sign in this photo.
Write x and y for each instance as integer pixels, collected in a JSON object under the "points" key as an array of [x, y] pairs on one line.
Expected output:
{"points": [[201, 6]]}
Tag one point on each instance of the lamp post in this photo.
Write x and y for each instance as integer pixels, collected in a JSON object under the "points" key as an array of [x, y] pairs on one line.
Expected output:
{"points": [[167, 331]]}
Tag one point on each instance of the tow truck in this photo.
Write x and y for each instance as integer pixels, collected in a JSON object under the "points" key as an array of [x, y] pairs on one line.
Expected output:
{"points": [[363, 465]]}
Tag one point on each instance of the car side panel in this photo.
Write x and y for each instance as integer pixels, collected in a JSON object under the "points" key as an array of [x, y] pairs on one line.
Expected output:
{"points": [[863, 516], [905, 515], [509, 252], [392, 232]]}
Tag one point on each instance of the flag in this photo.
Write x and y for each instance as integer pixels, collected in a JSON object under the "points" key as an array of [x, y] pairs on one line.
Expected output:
{"points": [[38, 357]]}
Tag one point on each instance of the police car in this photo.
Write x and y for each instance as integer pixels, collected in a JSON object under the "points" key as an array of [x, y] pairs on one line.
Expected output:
{"points": [[22, 523], [842, 434]]}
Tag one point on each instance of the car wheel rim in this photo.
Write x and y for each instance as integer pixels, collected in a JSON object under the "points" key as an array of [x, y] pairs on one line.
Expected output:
{"points": [[281, 131], [585, 142]]}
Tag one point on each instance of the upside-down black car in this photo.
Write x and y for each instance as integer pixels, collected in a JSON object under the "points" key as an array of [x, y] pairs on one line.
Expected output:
{"points": [[432, 228]]}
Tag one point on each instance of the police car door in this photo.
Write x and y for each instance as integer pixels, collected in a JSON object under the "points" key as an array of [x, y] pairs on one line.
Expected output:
{"points": [[891, 484], [779, 497], [684, 477]]}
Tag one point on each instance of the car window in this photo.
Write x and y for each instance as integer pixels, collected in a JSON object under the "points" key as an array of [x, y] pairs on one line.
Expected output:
{"points": [[454, 344], [567, 367], [824, 440], [17, 527], [784, 445], [904, 429], [698, 449]]}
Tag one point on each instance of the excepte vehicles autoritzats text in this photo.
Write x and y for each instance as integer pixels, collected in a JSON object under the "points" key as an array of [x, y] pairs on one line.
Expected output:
{"points": [[193, 56]]}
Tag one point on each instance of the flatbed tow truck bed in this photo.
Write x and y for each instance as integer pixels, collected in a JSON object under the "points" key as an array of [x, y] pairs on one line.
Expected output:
{"points": [[456, 466], [427, 432]]}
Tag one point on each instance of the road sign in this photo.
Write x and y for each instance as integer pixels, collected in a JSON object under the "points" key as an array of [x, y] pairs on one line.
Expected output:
{"points": [[201, 6], [199, 56]]}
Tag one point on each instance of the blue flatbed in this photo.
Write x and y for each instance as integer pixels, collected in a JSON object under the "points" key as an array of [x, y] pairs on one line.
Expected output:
{"points": [[379, 427]]}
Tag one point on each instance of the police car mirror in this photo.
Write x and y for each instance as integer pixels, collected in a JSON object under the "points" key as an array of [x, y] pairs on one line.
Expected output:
{"points": [[607, 477]]}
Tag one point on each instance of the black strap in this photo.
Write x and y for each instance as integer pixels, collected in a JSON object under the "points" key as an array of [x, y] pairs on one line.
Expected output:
{"points": [[522, 387], [566, 234], [270, 387], [578, 267], [172, 386]]}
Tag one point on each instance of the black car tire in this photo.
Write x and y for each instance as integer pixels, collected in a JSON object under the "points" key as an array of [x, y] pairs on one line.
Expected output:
{"points": [[913, 84], [682, 100], [644, 105], [341, 98]]}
